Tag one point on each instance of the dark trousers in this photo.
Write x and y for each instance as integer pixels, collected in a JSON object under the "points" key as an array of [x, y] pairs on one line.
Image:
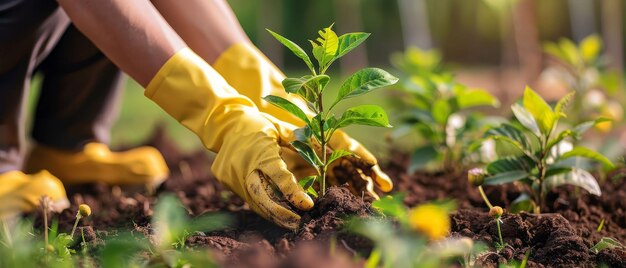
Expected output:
{"points": [[80, 89]]}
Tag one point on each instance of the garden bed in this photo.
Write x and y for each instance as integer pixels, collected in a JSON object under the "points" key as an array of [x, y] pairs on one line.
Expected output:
{"points": [[559, 238]]}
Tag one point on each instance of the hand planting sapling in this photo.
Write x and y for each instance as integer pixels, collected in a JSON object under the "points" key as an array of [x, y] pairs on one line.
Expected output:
{"points": [[541, 162], [320, 122]]}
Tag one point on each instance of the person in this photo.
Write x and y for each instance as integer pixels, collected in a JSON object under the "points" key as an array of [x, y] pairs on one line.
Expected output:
{"points": [[80, 46]]}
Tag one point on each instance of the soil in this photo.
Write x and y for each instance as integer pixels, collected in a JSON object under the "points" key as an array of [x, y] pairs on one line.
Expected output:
{"points": [[561, 237]]}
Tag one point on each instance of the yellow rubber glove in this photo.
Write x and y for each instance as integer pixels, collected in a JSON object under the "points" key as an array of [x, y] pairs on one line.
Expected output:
{"points": [[246, 69], [247, 142]]}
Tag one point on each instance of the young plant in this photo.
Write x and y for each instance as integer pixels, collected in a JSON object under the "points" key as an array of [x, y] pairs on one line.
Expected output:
{"points": [[83, 211], [322, 123], [414, 237], [436, 106], [542, 157], [476, 177], [583, 69], [173, 226]]}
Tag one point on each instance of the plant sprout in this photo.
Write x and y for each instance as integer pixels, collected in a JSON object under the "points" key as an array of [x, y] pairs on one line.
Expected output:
{"points": [[320, 126], [541, 161], [83, 211], [437, 107], [476, 177]]}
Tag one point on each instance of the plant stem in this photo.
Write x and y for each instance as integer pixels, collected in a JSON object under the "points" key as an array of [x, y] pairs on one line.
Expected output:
{"points": [[78, 216], [322, 143], [45, 225], [499, 232], [484, 196]]}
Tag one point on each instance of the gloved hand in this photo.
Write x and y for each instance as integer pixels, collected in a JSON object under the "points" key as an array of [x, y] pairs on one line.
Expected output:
{"points": [[253, 75], [247, 142]]}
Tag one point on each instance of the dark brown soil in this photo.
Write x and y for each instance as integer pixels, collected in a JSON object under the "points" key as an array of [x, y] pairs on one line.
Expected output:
{"points": [[561, 238]]}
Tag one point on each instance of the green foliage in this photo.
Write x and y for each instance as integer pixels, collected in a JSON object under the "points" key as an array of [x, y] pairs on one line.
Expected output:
{"points": [[436, 107], [543, 154], [173, 226], [604, 243], [21, 245], [583, 69], [397, 245], [322, 123]]}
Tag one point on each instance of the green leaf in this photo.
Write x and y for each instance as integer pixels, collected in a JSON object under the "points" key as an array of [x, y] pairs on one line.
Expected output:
{"points": [[441, 110], [307, 82], [570, 51], [604, 243], [510, 163], [512, 135], [368, 115], [303, 134], [588, 153], [307, 153], [506, 177], [562, 104], [557, 170], [590, 48], [422, 156], [306, 184], [526, 119], [576, 132], [363, 81], [582, 127], [540, 110], [392, 206], [349, 41], [476, 97], [295, 49], [287, 106], [554, 50], [578, 177], [522, 203], [336, 154], [325, 47]]}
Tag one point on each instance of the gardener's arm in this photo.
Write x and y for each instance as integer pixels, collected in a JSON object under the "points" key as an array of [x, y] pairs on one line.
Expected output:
{"points": [[129, 32], [247, 142], [211, 29]]}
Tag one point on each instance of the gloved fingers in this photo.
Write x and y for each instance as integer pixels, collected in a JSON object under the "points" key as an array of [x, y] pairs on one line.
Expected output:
{"points": [[285, 130], [382, 180], [344, 171], [365, 160], [341, 141], [262, 200], [276, 171]]}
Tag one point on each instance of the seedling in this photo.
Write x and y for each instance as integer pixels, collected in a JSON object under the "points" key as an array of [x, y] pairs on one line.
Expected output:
{"points": [[437, 107], [173, 226], [320, 122], [476, 177], [583, 69], [543, 159], [83, 211], [496, 212], [411, 237], [604, 243]]}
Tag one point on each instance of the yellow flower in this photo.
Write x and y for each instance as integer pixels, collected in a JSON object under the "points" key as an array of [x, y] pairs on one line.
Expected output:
{"points": [[431, 220], [84, 210]]}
